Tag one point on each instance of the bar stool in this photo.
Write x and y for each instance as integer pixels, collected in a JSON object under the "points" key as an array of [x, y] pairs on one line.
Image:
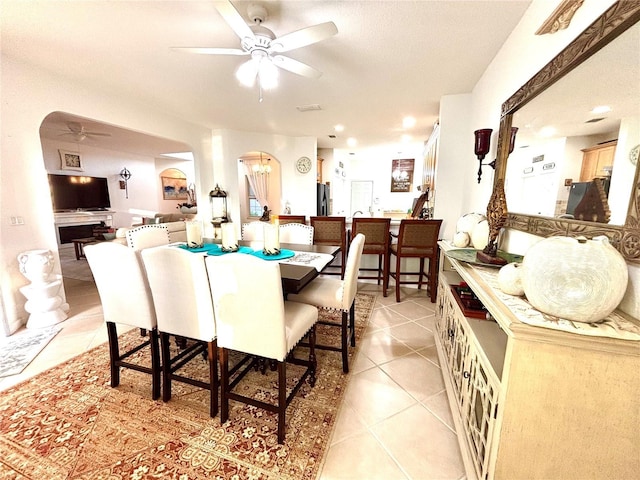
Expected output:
{"points": [[331, 231], [417, 239], [376, 232]]}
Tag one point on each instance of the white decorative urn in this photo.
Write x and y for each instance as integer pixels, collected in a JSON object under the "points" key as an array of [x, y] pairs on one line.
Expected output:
{"points": [[510, 279], [574, 278], [36, 265], [480, 235]]}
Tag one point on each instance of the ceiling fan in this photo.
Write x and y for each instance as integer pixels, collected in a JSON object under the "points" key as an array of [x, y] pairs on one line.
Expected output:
{"points": [[264, 47], [79, 133]]}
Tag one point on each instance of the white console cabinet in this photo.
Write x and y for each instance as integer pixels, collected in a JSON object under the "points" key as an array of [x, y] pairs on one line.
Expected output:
{"points": [[531, 402]]}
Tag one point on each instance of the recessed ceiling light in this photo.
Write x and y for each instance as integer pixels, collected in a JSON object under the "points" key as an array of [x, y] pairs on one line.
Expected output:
{"points": [[339, 128], [352, 142], [408, 122], [601, 109], [547, 132]]}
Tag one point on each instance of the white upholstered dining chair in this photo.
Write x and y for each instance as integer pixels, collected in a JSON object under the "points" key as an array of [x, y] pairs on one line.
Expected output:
{"points": [[253, 317], [336, 294], [184, 307], [296, 233], [126, 299], [146, 236]]}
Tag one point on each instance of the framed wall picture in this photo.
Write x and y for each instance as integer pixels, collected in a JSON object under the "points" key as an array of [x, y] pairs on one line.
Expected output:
{"points": [[402, 175], [174, 188], [70, 161]]}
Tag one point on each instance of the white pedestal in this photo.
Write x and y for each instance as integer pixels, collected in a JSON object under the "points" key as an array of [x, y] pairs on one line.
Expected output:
{"points": [[44, 304]]}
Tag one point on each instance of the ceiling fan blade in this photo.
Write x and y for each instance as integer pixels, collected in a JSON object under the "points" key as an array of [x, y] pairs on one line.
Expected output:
{"points": [[211, 51], [304, 37], [294, 66], [234, 19]]}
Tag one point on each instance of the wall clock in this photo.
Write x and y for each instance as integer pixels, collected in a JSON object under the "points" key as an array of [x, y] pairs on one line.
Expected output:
{"points": [[634, 154], [303, 165]]}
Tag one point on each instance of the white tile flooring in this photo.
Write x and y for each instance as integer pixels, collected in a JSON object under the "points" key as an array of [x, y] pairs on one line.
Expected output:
{"points": [[395, 422]]}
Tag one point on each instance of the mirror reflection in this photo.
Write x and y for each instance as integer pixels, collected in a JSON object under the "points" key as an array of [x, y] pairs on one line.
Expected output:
{"points": [[584, 127]]}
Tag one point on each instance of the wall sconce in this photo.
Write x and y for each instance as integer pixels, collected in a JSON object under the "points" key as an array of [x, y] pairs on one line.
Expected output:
{"points": [[512, 140], [218, 201], [125, 175], [483, 143]]}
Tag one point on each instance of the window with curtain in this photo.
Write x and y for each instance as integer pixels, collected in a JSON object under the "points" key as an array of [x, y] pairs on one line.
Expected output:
{"points": [[255, 209]]}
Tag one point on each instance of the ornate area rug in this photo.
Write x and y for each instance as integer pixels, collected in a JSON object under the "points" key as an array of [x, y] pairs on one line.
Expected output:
{"points": [[68, 423], [18, 350]]}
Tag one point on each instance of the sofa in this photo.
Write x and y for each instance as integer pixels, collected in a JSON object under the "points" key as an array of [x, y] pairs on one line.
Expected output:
{"points": [[173, 221]]}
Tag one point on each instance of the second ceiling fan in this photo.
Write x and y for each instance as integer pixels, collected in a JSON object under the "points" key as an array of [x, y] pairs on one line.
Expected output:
{"points": [[264, 47]]}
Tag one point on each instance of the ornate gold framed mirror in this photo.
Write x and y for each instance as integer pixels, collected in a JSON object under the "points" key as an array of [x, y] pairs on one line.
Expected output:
{"points": [[619, 18]]}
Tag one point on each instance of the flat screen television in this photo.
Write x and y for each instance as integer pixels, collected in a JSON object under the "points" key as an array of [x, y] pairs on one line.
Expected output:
{"points": [[75, 192]]}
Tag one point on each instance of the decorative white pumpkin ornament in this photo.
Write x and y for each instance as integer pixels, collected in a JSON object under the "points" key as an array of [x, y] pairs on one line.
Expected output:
{"points": [[480, 235], [461, 239], [468, 221], [510, 279], [574, 278]]}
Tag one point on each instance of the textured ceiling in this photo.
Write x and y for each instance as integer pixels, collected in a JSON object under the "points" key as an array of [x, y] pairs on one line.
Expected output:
{"points": [[389, 59]]}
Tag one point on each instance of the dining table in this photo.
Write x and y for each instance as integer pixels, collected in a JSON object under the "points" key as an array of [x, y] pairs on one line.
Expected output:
{"points": [[297, 270]]}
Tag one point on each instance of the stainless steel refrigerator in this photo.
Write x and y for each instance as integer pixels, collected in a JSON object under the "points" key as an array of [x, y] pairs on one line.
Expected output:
{"points": [[323, 199]]}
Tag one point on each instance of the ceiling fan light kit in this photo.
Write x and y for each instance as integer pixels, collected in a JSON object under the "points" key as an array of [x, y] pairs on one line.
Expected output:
{"points": [[263, 46]]}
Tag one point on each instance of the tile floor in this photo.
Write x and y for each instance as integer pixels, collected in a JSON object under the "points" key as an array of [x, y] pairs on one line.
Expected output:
{"points": [[395, 422]]}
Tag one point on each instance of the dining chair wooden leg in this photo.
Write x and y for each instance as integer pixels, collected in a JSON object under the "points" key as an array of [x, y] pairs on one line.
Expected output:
{"points": [[213, 377], [166, 367], [420, 275], [223, 354], [114, 353], [352, 322], [282, 398], [345, 352], [313, 361], [156, 365]]}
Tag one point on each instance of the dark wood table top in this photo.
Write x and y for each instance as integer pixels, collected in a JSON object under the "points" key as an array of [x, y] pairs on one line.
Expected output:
{"points": [[295, 277]]}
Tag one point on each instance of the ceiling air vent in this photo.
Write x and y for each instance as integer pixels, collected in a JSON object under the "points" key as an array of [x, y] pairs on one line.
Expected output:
{"points": [[594, 120], [308, 108]]}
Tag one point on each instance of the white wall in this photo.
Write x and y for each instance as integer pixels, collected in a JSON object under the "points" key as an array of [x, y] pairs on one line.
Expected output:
{"points": [[522, 55], [28, 95], [375, 165], [456, 166], [299, 189], [144, 187]]}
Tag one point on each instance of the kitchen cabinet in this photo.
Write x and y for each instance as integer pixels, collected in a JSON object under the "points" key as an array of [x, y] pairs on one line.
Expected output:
{"points": [[532, 402], [595, 158], [320, 160]]}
